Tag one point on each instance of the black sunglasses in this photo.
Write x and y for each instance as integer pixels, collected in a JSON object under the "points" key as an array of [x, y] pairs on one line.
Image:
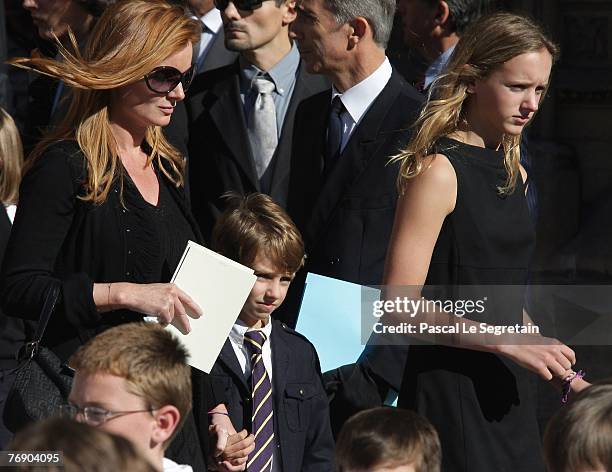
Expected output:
{"points": [[165, 79], [239, 4]]}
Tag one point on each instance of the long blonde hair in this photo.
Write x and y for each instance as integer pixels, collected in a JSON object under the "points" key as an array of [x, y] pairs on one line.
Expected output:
{"points": [[11, 159], [130, 39], [486, 45]]}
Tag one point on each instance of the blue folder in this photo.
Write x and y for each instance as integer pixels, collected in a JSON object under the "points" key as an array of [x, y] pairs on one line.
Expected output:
{"points": [[331, 318]]}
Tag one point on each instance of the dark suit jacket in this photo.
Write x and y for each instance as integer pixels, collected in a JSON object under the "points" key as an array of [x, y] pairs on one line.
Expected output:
{"points": [[5, 229], [12, 330], [347, 218], [218, 55], [220, 157], [301, 412]]}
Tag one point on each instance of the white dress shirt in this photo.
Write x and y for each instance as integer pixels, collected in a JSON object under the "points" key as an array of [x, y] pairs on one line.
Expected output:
{"points": [[358, 99], [171, 466], [236, 338], [212, 24], [10, 211]]}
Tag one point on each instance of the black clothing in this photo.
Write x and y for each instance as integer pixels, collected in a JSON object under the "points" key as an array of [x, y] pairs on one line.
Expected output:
{"points": [[346, 216], [159, 232], [12, 330], [57, 235], [301, 413], [480, 404], [12, 337]]}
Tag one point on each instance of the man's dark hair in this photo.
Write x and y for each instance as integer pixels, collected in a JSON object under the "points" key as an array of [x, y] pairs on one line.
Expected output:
{"points": [[462, 13]]}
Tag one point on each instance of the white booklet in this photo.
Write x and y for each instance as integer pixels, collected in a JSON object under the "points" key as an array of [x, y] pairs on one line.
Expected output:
{"points": [[220, 286]]}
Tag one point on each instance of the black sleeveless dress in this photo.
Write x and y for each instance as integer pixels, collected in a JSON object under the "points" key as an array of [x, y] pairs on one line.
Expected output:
{"points": [[482, 405]]}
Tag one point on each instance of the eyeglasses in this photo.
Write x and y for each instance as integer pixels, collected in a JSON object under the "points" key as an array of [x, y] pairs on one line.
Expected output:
{"points": [[239, 4], [94, 415], [165, 79]]}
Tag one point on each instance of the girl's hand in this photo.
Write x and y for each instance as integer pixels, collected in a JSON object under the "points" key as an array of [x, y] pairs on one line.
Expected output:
{"points": [[547, 357]]}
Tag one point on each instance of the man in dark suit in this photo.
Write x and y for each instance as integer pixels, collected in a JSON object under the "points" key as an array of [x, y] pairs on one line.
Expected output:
{"points": [[344, 193], [270, 373], [210, 52], [241, 116]]}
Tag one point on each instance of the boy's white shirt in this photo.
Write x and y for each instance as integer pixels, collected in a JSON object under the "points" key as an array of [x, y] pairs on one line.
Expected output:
{"points": [[171, 466], [236, 338]]}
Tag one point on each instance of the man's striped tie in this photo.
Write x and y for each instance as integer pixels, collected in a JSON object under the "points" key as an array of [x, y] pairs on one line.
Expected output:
{"points": [[260, 460]]}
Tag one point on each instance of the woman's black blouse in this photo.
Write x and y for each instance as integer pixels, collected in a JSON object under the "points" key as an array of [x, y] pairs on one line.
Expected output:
{"points": [[56, 235]]}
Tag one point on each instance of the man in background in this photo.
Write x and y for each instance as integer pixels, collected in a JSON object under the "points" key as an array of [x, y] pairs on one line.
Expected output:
{"points": [[241, 116], [210, 53], [432, 28]]}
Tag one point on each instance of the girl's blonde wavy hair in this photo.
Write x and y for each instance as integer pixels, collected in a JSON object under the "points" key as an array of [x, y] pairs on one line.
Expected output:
{"points": [[486, 45], [11, 159], [130, 39]]}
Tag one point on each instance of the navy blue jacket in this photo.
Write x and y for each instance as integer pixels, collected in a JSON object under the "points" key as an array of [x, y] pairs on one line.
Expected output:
{"points": [[301, 412]]}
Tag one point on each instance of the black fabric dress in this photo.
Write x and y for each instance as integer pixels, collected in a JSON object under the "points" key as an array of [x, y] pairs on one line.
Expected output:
{"points": [[482, 405]]}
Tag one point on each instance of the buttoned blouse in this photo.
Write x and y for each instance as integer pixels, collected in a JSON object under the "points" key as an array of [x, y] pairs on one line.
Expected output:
{"points": [[57, 235]]}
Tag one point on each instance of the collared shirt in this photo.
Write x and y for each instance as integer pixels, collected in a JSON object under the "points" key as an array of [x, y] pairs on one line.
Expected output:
{"points": [[436, 67], [212, 24], [171, 466], [283, 75], [236, 338], [358, 99], [10, 211]]}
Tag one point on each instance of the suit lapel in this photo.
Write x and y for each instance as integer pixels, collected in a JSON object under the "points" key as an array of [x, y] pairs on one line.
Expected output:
{"points": [[227, 112], [218, 55], [307, 157], [301, 90], [5, 230], [227, 357], [362, 146]]}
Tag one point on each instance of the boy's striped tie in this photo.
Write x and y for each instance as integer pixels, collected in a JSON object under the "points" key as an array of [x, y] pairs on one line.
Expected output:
{"points": [[260, 460]]}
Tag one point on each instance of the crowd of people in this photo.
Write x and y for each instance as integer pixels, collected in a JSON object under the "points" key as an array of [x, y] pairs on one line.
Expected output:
{"points": [[279, 134]]}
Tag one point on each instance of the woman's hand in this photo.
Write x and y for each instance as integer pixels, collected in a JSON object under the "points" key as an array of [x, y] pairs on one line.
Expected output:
{"points": [[165, 301], [547, 357]]}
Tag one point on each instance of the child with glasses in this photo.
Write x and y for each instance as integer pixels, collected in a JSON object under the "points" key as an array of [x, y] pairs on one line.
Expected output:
{"points": [[133, 380], [270, 373]]}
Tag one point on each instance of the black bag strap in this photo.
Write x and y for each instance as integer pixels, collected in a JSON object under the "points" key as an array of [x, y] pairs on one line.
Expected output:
{"points": [[30, 348], [51, 297]]}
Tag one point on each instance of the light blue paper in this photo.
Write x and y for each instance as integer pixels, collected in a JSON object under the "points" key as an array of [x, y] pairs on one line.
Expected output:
{"points": [[330, 317]]}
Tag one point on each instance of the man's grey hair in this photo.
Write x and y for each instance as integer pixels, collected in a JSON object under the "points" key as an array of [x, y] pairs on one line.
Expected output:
{"points": [[379, 14]]}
